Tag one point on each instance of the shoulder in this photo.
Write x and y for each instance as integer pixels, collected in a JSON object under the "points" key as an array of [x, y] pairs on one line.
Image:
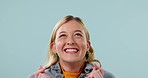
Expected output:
{"points": [[54, 71], [31, 75], [108, 74], [89, 67]]}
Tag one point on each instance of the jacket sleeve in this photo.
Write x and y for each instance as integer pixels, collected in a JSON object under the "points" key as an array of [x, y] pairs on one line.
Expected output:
{"points": [[31, 75], [108, 74]]}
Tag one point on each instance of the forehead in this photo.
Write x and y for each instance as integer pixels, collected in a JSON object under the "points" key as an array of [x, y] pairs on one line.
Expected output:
{"points": [[71, 26]]}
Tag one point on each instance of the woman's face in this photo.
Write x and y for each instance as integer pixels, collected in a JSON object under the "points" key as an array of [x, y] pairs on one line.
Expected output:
{"points": [[70, 42]]}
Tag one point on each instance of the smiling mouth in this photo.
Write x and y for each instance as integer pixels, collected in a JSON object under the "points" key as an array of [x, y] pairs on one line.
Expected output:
{"points": [[71, 50]]}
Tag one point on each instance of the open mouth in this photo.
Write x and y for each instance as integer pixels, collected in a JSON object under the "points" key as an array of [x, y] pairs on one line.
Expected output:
{"points": [[71, 50]]}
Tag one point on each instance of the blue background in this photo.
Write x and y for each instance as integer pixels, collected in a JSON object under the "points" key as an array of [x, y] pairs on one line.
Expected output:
{"points": [[118, 29]]}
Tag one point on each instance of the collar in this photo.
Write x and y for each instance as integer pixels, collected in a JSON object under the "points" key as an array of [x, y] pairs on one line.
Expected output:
{"points": [[56, 70]]}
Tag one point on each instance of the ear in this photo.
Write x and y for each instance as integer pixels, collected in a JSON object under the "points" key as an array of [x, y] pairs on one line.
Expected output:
{"points": [[88, 44], [53, 46]]}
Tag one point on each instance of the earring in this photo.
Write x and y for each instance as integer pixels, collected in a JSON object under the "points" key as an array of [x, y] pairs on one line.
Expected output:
{"points": [[55, 54], [87, 54]]}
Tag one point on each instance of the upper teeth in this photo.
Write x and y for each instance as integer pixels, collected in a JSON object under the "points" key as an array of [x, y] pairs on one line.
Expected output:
{"points": [[71, 50]]}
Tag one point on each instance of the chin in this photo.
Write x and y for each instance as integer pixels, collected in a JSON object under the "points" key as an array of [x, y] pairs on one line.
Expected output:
{"points": [[73, 60]]}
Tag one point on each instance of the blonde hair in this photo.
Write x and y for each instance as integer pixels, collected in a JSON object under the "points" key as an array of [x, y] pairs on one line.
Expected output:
{"points": [[52, 57]]}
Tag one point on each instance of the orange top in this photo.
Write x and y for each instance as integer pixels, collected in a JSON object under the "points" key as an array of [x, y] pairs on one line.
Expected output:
{"points": [[71, 75]]}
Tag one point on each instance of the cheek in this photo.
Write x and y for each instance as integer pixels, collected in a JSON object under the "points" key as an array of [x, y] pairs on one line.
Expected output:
{"points": [[59, 45], [83, 45]]}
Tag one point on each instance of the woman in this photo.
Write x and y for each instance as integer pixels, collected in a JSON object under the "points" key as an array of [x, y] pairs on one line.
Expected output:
{"points": [[70, 53]]}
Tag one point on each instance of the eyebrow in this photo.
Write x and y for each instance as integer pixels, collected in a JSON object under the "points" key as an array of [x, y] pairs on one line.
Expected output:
{"points": [[78, 31], [74, 31], [62, 32]]}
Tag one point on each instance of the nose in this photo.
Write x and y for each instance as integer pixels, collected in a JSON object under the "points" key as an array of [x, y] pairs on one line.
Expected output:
{"points": [[70, 41]]}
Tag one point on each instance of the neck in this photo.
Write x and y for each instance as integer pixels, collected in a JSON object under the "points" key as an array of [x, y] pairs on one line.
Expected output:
{"points": [[71, 67]]}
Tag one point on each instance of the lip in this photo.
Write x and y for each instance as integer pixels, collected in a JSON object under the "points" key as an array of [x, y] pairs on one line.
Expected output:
{"points": [[77, 50]]}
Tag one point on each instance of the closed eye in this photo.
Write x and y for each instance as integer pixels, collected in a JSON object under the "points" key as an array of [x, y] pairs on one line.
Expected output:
{"points": [[62, 35]]}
